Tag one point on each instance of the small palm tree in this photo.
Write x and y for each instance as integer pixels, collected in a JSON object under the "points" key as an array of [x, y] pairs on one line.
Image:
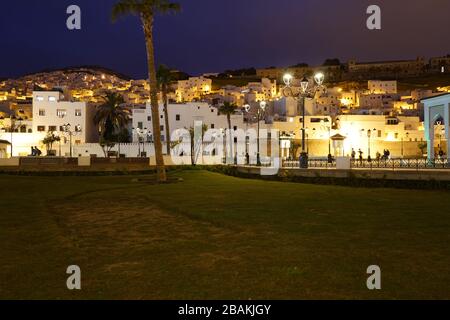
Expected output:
{"points": [[422, 147], [111, 117], [146, 10], [165, 77], [194, 153], [49, 140], [229, 109]]}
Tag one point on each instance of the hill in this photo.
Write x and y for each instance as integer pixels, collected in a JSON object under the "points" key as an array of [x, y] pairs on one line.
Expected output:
{"points": [[88, 69]]}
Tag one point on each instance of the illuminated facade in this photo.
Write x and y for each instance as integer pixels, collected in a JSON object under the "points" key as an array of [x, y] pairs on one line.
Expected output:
{"points": [[51, 112], [193, 89]]}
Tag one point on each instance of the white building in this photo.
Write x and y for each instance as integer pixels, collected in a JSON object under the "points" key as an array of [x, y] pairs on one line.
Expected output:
{"points": [[401, 135], [383, 132], [378, 101], [51, 112], [382, 87], [183, 116], [266, 90]]}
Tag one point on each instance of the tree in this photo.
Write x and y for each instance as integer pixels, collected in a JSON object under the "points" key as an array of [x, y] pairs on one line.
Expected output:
{"points": [[123, 137], [49, 140], [300, 65], [229, 109], [240, 72], [295, 146], [146, 10], [192, 136], [111, 117], [165, 77], [332, 62], [106, 145], [422, 147]]}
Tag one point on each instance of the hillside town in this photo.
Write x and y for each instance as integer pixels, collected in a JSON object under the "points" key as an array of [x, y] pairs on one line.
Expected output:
{"points": [[360, 108], [237, 159]]}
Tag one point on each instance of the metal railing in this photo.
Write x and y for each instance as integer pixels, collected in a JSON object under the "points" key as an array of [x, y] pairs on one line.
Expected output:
{"points": [[312, 163], [392, 164], [415, 164]]}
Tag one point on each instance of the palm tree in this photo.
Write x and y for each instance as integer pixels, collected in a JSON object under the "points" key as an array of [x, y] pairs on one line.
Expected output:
{"points": [[146, 10], [111, 117], [229, 109], [194, 153], [165, 77]]}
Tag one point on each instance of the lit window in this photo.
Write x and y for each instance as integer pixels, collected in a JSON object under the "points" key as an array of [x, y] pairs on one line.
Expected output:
{"points": [[61, 113], [52, 99], [39, 98]]}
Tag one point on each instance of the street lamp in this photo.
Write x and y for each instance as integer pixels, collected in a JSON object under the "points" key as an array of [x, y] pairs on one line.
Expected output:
{"points": [[68, 130], [369, 136], [305, 92], [328, 128], [247, 139], [403, 149], [58, 137], [142, 136], [261, 110], [259, 116]]}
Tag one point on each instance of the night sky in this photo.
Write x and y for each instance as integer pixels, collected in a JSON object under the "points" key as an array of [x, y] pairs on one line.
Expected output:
{"points": [[214, 35]]}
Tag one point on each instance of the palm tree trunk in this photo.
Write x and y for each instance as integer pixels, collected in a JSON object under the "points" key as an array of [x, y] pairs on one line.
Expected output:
{"points": [[147, 22], [166, 117]]}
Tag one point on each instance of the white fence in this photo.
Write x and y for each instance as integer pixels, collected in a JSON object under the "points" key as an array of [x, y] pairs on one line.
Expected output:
{"points": [[23, 142]]}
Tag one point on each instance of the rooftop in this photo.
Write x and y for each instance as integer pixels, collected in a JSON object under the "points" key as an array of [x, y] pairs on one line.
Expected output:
{"points": [[437, 96]]}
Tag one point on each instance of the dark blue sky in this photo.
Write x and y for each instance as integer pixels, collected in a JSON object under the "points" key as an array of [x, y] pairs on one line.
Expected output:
{"points": [[214, 35]]}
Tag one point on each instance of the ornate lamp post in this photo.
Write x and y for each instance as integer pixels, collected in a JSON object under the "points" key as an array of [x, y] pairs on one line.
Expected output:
{"points": [[142, 135], [68, 130], [261, 110], [305, 92], [259, 116]]}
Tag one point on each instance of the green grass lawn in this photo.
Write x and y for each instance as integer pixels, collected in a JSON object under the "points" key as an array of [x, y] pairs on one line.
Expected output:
{"points": [[217, 237]]}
